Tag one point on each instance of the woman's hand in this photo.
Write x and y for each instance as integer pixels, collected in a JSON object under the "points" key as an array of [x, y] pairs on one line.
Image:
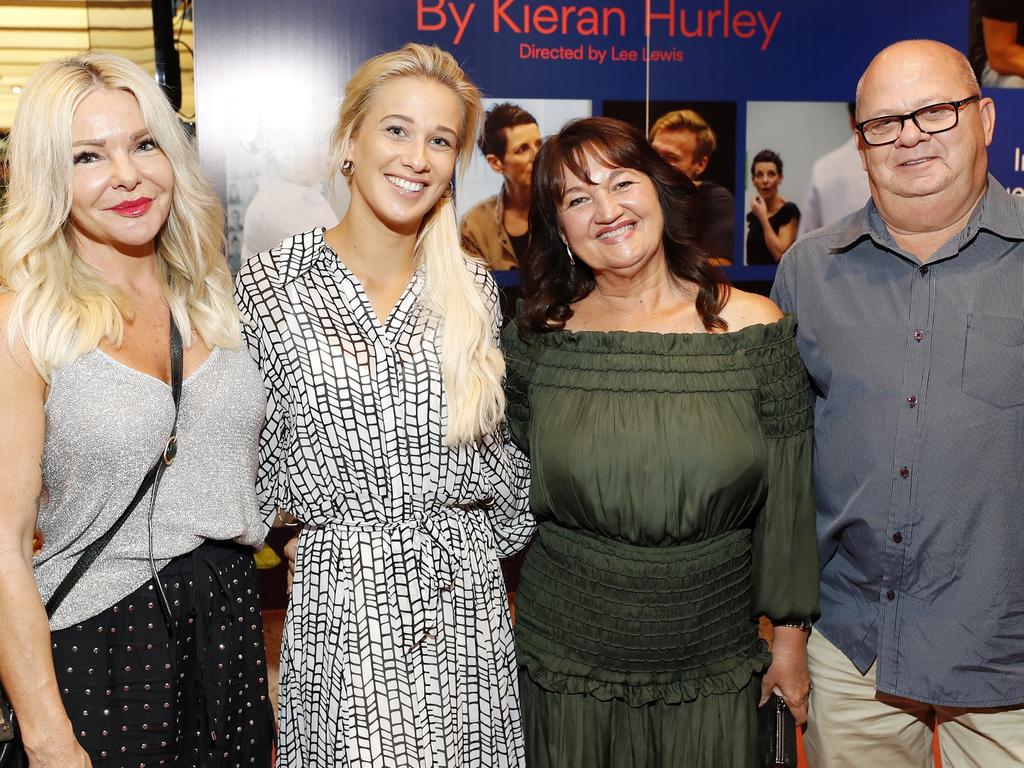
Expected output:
{"points": [[59, 753], [290, 550], [759, 209], [787, 676]]}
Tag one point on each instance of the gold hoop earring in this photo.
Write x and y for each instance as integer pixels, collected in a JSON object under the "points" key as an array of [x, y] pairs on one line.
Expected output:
{"points": [[348, 168], [449, 193]]}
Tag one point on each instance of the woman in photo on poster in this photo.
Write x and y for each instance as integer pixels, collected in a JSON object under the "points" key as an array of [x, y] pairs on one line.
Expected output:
{"points": [[377, 339], [118, 331], [773, 222], [668, 423]]}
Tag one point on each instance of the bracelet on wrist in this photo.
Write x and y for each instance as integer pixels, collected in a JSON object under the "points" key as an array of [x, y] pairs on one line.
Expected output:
{"points": [[288, 524], [803, 623]]}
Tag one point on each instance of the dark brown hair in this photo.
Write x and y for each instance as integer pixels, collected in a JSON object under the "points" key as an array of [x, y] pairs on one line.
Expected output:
{"points": [[493, 139], [551, 283], [767, 156]]}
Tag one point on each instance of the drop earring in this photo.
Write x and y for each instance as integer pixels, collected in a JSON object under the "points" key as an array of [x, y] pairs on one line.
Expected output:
{"points": [[572, 259]]}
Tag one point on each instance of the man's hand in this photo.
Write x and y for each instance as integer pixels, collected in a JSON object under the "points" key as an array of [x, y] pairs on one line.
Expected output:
{"points": [[787, 676]]}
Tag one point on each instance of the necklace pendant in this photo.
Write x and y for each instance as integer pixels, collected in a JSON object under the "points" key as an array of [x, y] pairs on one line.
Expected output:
{"points": [[171, 450]]}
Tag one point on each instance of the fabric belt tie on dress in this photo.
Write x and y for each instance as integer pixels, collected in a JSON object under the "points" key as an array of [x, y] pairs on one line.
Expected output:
{"points": [[430, 552], [432, 563]]}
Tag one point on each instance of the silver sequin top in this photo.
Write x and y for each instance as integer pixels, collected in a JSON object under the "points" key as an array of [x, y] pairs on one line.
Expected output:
{"points": [[106, 424]]}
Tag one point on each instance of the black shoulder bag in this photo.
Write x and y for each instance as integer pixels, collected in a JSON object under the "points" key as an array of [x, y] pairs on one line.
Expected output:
{"points": [[12, 751]]}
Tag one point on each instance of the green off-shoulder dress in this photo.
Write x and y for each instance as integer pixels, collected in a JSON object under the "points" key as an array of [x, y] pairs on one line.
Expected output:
{"points": [[671, 483]]}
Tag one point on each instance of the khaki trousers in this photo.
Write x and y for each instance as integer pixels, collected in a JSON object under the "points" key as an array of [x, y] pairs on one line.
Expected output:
{"points": [[851, 725]]}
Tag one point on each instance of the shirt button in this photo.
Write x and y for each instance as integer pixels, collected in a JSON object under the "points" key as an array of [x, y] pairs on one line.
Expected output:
{"points": [[912, 401], [904, 473], [923, 269], [898, 538], [890, 595], [918, 335]]}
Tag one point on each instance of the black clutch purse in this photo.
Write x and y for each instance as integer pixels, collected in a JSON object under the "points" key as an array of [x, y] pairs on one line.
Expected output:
{"points": [[776, 728]]}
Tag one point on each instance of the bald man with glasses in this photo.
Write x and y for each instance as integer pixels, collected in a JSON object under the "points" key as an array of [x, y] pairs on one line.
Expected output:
{"points": [[911, 324]]}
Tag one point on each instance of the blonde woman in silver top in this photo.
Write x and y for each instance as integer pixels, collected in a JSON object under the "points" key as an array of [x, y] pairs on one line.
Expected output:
{"points": [[109, 232]]}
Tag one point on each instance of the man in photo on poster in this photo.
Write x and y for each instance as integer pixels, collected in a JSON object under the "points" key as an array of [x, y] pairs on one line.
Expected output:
{"points": [[838, 184], [686, 141], [496, 229], [1002, 29]]}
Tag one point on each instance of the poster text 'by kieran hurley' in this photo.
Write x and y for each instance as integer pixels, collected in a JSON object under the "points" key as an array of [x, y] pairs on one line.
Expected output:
{"points": [[660, 17]]}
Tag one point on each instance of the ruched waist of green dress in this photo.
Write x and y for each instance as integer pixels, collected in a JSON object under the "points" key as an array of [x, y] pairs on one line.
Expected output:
{"points": [[642, 624]]}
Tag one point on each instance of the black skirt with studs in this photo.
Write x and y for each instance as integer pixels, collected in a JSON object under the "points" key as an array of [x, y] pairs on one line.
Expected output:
{"points": [[143, 690]]}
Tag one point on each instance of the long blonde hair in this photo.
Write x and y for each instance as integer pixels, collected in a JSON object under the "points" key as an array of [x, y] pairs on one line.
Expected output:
{"points": [[63, 307], [471, 364]]}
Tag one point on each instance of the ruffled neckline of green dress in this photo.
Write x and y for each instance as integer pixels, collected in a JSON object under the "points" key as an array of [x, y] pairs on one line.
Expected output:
{"points": [[600, 342]]}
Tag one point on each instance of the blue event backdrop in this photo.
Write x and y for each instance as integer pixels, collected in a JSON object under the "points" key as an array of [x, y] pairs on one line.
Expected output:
{"points": [[269, 74]]}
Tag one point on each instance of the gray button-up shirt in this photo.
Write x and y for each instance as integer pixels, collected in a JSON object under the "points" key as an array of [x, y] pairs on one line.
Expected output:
{"points": [[919, 449]]}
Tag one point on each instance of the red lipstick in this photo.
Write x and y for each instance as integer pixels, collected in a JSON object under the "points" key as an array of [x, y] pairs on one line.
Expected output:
{"points": [[132, 208]]}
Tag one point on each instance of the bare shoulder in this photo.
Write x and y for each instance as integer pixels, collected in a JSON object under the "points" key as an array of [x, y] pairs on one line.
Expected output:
{"points": [[15, 362], [22, 437], [745, 308]]}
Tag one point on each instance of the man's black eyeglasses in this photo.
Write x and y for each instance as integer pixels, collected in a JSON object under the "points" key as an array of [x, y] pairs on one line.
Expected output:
{"points": [[932, 119]]}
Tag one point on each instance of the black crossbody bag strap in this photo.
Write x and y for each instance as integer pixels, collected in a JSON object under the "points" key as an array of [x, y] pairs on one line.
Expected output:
{"points": [[90, 553]]}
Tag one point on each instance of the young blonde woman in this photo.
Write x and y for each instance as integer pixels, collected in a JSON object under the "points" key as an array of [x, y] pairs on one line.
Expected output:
{"points": [[377, 341], [114, 290]]}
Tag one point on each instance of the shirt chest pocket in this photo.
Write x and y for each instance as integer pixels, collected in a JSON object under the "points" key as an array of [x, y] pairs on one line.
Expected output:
{"points": [[994, 360]]}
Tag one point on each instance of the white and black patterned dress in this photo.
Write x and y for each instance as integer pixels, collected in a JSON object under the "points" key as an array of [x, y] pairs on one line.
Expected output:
{"points": [[397, 645]]}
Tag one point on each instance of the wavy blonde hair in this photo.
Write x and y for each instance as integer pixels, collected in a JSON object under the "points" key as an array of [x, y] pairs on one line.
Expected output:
{"points": [[63, 306], [471, 364]]}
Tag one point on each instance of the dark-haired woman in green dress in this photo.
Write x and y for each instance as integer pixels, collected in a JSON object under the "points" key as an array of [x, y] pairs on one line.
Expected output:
{"points": [[668, 423]]}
